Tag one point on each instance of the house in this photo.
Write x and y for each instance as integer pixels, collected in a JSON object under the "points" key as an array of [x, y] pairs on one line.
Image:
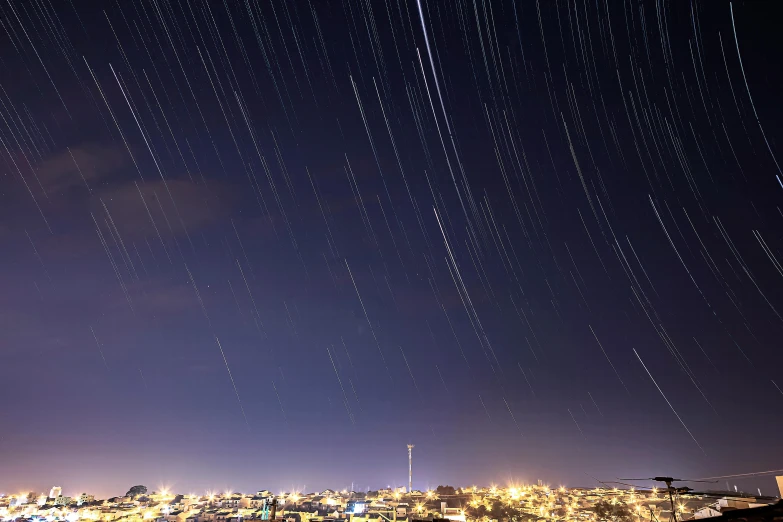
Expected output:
{"points": [[357, 507], [367, 518], [328, 502], [452, 513], [175, 516], [255, 502], [223, 515], [62, 500]]}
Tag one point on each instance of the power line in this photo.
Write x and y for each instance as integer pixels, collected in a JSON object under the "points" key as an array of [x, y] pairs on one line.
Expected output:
{"points": [[745, 474]]}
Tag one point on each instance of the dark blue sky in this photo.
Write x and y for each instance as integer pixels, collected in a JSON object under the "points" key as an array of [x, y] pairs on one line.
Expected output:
{"points": [[268, 244]]}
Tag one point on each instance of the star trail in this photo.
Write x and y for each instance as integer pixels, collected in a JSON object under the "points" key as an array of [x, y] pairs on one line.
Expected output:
{"points": [[268, 244]]}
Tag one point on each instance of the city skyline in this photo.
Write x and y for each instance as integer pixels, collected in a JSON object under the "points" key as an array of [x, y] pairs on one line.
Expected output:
{"points": [[515, 501]]}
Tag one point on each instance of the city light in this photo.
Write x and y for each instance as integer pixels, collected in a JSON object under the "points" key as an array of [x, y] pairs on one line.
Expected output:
{"points": [[514, 502]]}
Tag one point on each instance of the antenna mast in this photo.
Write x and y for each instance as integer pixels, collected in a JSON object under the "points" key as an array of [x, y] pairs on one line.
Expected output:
{"points": [[410, 468]]}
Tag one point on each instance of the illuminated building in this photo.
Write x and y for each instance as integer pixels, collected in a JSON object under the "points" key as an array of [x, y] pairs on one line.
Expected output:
{"points": [[62, 500], [55, 492], [356, 507]]}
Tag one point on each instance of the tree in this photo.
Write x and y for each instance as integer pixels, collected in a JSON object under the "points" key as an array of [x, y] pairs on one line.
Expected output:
{"points": [[497, 510], [612, 512], [445, 490], [476, 511], [135, 491]]}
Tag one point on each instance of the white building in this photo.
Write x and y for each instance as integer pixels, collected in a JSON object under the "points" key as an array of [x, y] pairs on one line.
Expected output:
{"points": [[455, 514], [55, 492]]}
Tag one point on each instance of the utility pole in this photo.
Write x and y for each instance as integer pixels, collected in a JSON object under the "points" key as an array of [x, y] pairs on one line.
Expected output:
{"points": [[668, 481], [410, 468]]}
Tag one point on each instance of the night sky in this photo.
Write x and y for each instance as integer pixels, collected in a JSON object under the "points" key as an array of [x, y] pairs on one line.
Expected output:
{"points": [[267, 244]]}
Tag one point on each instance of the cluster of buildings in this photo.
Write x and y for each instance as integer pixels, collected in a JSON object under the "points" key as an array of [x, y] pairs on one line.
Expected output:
{"points": [[543, 503], [513, 503]]}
